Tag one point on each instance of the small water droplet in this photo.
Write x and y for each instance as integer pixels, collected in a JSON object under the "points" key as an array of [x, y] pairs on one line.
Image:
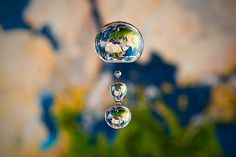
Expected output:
{"points": [[117, 74], [118, 91]]}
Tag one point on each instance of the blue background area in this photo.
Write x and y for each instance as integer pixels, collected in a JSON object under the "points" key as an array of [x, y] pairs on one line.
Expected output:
{"points": [[47, 102]]}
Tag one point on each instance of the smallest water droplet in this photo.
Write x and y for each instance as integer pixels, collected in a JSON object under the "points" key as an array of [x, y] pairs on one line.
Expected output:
{"points": [[117, 74]]}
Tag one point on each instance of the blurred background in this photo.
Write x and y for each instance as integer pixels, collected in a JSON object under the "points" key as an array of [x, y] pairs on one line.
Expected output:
{"points": [[54, 89]]}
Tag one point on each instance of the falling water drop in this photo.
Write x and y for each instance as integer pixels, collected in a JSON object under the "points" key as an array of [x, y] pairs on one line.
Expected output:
{"points": [[119, 42], [117, 74], [117, 116], [118, 91]]}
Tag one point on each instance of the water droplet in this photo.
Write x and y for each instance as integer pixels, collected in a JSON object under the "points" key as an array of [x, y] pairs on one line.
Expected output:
{"points": [[119, 42], [117, 116], [117, 74], [118, 91]]}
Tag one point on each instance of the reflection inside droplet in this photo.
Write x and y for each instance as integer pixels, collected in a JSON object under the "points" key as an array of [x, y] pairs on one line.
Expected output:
{"points": [[117, 74], [117, 116], [119, 42], [118, 91]]}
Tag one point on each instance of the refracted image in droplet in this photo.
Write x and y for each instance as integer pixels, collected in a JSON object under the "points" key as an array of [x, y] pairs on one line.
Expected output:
{"points": [[119, 42], [117, 74], [118, 91], [118, 116]]}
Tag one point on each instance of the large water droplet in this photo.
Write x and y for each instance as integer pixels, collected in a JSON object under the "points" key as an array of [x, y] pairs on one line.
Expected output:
{"points": [[119, 42], [118, 91], [117, 116]]}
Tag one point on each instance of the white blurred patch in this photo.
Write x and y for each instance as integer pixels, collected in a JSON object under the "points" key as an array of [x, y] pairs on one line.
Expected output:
{"points": [[99, 93], [210, 80], [152, 92]]}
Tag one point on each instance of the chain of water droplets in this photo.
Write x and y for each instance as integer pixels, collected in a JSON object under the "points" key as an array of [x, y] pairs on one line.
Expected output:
{"points": [[118, 42], [118, 90], [118, 116]]}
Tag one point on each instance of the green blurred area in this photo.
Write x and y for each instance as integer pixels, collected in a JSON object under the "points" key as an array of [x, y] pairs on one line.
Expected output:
{"points": [[144, 136]]}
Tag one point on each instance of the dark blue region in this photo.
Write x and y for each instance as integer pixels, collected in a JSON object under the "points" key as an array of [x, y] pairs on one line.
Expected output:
{"points": [[101, 126], [198, 98], [226, 134], [97, 128], [46, 31], [154, 73], [47, 102], [11, 14], [11, 17]]}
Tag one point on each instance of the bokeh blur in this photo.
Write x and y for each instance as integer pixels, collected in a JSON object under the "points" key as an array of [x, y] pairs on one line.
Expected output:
{"points": [[54, 89]]}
